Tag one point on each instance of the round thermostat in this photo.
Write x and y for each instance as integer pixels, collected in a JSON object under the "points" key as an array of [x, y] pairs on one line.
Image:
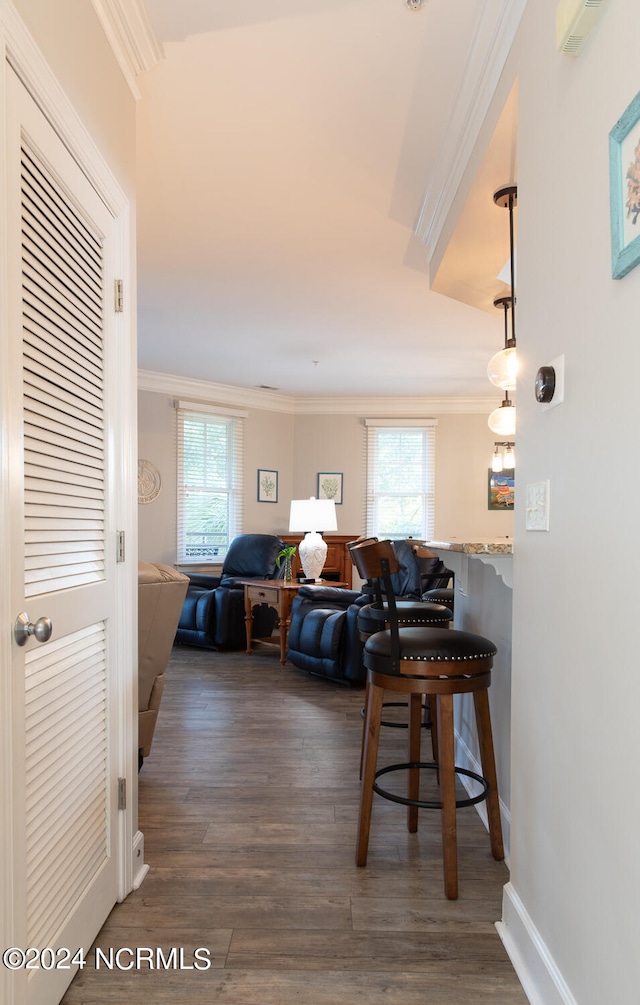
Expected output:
{"points": [[545, 384]]}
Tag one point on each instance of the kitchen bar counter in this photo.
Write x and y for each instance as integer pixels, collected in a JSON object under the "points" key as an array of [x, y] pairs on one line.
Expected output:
{"points": [[502, 546], [483, 599], [456, 555]]}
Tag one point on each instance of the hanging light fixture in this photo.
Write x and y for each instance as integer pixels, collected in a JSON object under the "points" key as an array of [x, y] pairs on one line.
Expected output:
{"points": [[504, 458], [502, 367], [502, 420]]}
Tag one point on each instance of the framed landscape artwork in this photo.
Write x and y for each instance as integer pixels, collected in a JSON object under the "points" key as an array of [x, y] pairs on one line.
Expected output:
{"points": [[501, 489], [267, 485], [330, 486]]}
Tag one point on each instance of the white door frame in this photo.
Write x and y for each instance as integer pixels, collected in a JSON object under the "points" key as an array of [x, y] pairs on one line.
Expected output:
{"points": [[18, 49]]}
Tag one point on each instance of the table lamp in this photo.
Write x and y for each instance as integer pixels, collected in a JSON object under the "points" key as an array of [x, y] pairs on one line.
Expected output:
{"points": [[321, 515]]}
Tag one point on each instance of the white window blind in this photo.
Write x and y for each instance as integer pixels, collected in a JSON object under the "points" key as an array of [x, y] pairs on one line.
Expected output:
{"points": [[209, 484], [400, 478]]}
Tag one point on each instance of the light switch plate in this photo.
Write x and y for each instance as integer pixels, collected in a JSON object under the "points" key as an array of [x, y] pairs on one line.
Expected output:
{"points": [[537, 506]]}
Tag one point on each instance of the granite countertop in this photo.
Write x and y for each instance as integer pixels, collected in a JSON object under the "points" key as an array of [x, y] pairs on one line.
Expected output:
{"points": [[500, 547]]}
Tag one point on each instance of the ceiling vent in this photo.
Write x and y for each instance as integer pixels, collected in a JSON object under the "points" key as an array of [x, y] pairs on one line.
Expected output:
{"points": [[574, 21]]}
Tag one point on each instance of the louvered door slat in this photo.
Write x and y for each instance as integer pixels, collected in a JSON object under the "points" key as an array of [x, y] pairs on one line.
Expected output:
{"points": [[87, 321], [62, 213], [47, 417], [93, 529], [74, 540], [41, 321], [62, 258], [55, 829], [43, 466], [60, 446], [62, 394], [41, 800], [45, 361], [67, 271]]}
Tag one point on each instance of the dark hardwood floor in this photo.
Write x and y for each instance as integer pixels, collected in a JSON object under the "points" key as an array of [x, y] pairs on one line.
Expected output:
{"points": [[249, 804]]}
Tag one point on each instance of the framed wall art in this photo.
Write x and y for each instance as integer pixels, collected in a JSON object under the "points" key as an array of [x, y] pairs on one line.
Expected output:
{"points": [[501, 490], [624, 190], [267, 485], [330, 486]]}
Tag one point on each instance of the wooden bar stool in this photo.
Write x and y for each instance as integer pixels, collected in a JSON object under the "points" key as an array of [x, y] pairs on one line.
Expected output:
{"points": [[374, 617], [438, 663]]}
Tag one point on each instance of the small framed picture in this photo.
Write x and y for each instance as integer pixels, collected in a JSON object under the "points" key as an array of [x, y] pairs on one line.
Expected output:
{"points": [[501, 490], [267, 485], [330, 486], [624, 190]]}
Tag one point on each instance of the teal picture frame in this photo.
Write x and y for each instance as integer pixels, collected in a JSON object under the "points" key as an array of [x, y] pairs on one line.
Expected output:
{"points": [[624, 190]]}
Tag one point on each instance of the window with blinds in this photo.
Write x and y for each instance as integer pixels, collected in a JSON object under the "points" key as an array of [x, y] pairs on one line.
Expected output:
{"points": [[400, 478], [210, 449]]}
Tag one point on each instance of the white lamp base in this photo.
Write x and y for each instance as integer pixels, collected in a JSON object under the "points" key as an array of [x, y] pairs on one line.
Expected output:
{"points": [[313, 554]]}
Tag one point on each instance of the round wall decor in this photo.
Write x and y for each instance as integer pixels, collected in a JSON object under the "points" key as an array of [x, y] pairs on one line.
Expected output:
{"points": [[149, 483]]}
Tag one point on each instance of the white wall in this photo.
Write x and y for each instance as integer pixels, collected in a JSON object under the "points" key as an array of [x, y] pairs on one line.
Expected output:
{"points": [[575, 816], [298, 447]]}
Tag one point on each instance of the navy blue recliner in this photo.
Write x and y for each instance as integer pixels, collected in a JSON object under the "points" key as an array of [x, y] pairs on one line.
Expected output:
{"points": [[323, 634], [213, 611]]}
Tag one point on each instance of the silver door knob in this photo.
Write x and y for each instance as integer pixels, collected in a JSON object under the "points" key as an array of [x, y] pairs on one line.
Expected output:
{"points": [[24, 628]]}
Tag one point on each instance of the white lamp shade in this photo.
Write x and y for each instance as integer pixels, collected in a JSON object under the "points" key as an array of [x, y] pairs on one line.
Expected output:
{"points": [[312, 514], [502, 369], [502, 421]]}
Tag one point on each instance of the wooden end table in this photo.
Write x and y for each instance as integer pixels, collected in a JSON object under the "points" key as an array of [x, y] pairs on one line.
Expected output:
{"points": [[279, 595]]}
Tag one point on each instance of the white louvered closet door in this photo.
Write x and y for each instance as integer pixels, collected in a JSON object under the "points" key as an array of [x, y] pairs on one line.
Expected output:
{"points": [[65, 789]]}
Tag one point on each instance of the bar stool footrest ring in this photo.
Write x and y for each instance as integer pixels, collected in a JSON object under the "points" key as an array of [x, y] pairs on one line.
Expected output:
{"points": [[396, 725], [424, 803]]}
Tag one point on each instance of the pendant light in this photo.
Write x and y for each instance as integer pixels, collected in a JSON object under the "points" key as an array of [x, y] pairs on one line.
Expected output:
{"points": [[502, 420], [503, 366], [504, 458]]}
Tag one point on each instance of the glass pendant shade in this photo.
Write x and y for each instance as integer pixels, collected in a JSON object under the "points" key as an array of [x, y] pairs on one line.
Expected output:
{"points": [[496, 463], [509, 457], [502, 369], [502, 420]]}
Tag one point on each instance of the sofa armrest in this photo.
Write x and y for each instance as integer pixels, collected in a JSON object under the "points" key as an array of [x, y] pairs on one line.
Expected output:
{"points": [[204, 580], [328, 595]]}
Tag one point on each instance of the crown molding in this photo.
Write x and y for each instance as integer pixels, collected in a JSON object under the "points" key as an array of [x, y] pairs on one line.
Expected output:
{"points": [[245, 397], [394, 407], [494, 35], [131, 37], [204, 390]]}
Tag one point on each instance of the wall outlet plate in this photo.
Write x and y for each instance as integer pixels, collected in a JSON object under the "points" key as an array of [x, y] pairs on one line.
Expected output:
{"points": [[558, 394]]}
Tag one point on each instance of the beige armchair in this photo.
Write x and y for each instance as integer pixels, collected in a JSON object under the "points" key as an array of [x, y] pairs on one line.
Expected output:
{"points": [[161, 593]]}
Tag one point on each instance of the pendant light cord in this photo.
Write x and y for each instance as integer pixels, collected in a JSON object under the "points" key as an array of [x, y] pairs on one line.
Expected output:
{"points": [[513, 273]]}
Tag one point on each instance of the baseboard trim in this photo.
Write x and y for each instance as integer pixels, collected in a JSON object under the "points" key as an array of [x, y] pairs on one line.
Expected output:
{"points": [[541, 979]]}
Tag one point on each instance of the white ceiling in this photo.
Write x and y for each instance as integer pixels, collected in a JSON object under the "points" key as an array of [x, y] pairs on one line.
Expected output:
{"points": [[285, 148]]}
